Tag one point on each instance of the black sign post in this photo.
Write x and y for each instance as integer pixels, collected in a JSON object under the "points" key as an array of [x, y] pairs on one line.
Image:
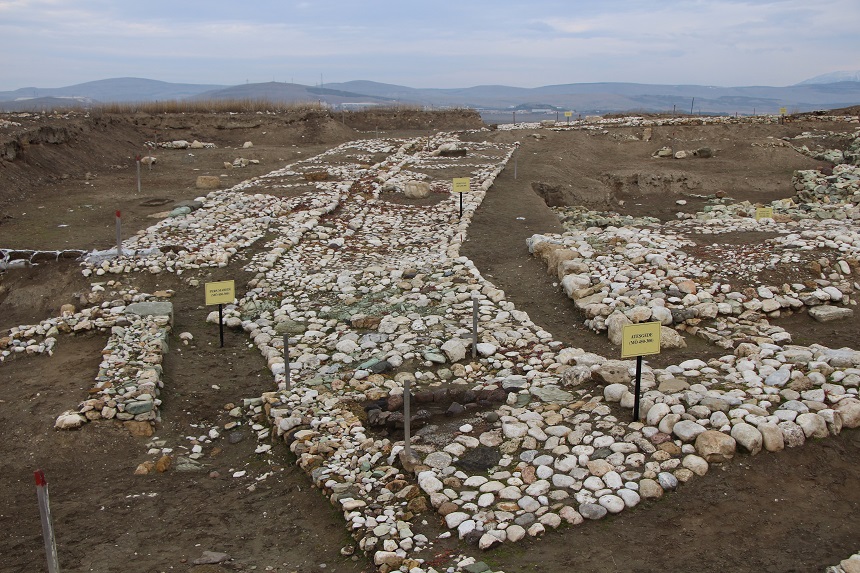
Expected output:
{"points": [[221, 323], [638, 388]]}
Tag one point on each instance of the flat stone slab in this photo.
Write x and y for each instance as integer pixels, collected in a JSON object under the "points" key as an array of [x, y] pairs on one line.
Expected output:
{"points": [[151, 309], [827, 313], [551, 394]]}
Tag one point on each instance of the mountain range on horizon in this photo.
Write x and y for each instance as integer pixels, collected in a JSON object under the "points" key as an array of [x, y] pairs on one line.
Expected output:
{"points": [[833, 90]]}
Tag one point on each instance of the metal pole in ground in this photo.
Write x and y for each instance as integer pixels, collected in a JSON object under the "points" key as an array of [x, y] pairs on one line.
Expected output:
{"points": [[516, 156], [474, 324], [287, 360], [407, 421], [118, 234], [638, 389], [47, 524], [137, 160], [221, 324]]}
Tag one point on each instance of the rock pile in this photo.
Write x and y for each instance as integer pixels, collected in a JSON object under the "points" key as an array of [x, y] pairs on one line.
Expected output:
{"points": [[129, 380], [180, 144]]}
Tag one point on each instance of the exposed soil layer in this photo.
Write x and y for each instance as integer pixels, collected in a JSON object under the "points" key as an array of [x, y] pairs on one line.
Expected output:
{"points": [[792, 511]]}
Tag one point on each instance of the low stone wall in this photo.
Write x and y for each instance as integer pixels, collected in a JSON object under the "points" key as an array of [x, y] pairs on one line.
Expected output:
{"points": [[129, 381]]}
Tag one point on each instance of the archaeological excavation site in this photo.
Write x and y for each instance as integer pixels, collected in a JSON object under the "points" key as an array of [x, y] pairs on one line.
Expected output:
{"points": [[420, 358]]}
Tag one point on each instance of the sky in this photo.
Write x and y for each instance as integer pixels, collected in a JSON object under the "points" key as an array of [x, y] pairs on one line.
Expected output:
{"points": [[428, 43]]}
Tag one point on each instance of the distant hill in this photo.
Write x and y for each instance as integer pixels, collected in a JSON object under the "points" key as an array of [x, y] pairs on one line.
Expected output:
{"points": [[833, 77], [613, 97], [45, 103], [584, 98], [114, 90], [284, 92]]}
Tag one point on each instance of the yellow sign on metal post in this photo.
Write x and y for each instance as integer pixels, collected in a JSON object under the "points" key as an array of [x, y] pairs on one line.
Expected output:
{"points": [[782, 111], [568, 114], [640, 339], [461, 184], [222, 292], [763, 213]]}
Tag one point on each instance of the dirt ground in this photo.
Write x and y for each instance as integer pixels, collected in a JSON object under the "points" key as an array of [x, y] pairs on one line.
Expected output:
{"points": [[787, 512]]}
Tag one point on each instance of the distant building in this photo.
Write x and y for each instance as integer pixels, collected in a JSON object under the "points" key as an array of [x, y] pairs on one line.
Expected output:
{"points": [[358, 106]]}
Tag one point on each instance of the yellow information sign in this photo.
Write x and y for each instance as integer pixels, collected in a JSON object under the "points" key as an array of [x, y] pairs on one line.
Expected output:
{"points": [[568, 114], [221, 292], [763, 213], [461, 184], [782, 111], [640, 339]]}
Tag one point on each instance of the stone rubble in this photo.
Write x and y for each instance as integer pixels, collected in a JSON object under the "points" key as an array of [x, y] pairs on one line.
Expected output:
{"points": [[179, 144], [369, 289]]}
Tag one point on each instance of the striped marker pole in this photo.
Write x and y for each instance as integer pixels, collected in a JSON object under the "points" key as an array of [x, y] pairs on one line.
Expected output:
{"points": [[118, 234]]}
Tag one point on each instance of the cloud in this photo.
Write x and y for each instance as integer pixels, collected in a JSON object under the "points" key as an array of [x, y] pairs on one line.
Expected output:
{"points": [[724, 42]]}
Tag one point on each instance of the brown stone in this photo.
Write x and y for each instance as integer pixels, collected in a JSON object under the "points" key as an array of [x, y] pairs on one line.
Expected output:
{"points": [[446, 508], [163, 464], [650, 489], [365, 322], [144, 468], [316, 176], [715, 447], [417, 504], [139, 429], [529, 475], [801, 384], [686, 286], [208, 182], [395, 485], [409, 492], [453, 482], [670, 448]]}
